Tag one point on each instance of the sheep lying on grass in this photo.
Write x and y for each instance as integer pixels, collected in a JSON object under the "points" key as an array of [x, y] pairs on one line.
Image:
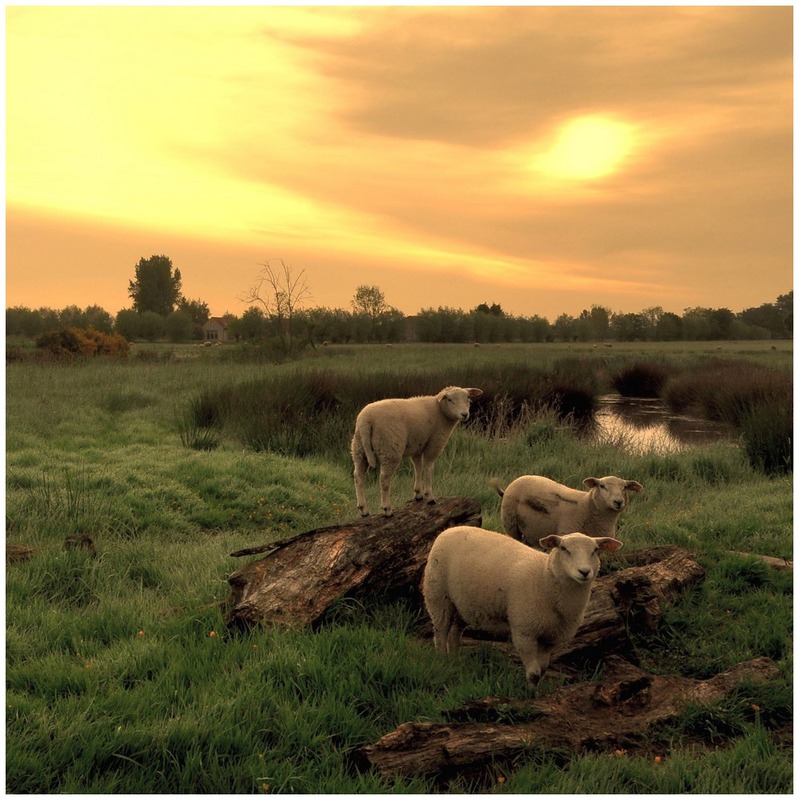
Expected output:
{"points": [[534, 506], [487, 581], [388, 430]]}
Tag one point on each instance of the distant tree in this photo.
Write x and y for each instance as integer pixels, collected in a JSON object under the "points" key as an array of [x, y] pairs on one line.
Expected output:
{"points": [[178, 326], [198, 311], [785, 306], [600, 321], [721, 321], [534, 329], [564, 328], [156, 286], [696, 324], [369, 300], [71, 317], [127, 324], [629, 327], [374, 319], [252, 324], [151, 326], [669, 328], [24, 321], [766, 316], [279, 291], [495, 309], [98, 318]]}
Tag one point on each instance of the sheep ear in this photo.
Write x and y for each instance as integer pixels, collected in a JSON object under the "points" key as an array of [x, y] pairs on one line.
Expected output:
{"points": [[634, 486], [550, 541], [609, 543], [474, 392], [591, 482]]}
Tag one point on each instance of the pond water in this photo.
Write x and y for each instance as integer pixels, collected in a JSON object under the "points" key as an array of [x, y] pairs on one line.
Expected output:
{"points": [[639, 424]]}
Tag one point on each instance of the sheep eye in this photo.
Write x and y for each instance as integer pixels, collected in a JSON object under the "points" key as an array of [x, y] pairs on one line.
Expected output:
{"points": [[564, 549]]}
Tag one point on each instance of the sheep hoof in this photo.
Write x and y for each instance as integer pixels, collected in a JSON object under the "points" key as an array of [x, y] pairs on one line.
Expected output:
{"points": [[431, 501], [364, 512], [387, 512], [418, 498]]}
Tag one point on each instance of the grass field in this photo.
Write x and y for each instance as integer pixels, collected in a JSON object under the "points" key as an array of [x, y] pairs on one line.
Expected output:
{"points": [[121, 677]]}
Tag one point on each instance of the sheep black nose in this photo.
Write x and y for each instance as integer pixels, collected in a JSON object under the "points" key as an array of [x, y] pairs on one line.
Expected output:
{"points": [[584, 572], [618, 503]]}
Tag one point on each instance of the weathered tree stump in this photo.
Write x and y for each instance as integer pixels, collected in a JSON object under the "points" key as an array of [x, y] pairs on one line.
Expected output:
{"points": [[301, 577], [616, 713]]}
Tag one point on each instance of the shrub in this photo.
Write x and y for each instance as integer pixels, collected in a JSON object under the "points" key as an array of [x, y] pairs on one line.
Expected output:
{"points": [[83, 342]]}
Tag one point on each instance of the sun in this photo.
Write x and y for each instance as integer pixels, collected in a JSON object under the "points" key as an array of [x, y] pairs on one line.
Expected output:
{"points": [[587, 148]]}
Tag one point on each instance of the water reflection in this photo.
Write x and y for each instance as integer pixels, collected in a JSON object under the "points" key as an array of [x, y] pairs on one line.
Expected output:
{"points": [[646, 424]]}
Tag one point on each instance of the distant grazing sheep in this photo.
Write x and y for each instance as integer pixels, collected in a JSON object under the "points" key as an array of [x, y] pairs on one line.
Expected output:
{"points": [[534, 506], [388, 430], [487, 581]]}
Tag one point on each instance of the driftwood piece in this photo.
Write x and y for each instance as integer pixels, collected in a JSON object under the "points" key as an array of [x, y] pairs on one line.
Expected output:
{"points": [[615, 713], [783, 564], [301, 577], [16, 553]]}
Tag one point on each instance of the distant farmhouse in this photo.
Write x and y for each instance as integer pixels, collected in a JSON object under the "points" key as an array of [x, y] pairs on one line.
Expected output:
{"points": [[216, 330]]}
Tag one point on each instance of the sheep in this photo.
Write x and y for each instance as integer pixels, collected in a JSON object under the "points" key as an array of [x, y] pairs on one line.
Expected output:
{"points": [[534, 506], [419, 427], [489, 582]]}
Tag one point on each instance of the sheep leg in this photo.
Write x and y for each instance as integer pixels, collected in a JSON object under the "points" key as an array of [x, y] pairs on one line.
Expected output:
{"points": [[418, 493], [535, 661], [387, 470], [361, 466], [441, 628], [427, 479], [455, 632]]}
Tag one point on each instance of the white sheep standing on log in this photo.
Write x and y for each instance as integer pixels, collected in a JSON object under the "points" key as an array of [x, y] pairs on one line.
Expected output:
{"points": [[534, 506], [489, 582], [388, 430]]}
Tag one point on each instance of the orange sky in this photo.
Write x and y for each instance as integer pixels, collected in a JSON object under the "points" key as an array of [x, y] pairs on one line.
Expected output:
{"points": [[544, 158]]}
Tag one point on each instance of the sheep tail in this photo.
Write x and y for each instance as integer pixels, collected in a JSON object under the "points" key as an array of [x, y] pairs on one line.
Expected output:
{"points": [[494, 484], [365, 435]]}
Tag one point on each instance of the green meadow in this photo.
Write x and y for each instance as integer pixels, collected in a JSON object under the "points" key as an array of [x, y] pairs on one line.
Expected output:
{"points": [[122, 678]]}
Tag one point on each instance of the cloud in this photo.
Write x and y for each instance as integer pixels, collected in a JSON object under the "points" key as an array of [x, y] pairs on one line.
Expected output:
{"points": [[401, 138]]}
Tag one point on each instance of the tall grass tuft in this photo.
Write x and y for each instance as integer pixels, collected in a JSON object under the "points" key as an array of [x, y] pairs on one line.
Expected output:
{"points": [[767, 438], [198, 422], [642, 379]]}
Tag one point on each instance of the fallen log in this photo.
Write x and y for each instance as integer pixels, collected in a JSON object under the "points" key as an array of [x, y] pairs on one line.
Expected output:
{"points": [[616, 713], [302, 576]]}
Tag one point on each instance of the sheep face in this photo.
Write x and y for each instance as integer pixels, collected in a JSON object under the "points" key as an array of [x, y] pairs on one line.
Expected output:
{"points": [[611, 492], [577, 555], [454, 402]]}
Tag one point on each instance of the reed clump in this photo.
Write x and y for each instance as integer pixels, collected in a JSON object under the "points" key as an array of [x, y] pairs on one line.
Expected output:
{"points": [[641, 379], [754, 399], [301, 412]]}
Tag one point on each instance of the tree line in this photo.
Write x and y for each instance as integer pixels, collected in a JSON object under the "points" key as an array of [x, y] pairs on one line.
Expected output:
{"points": [[159, 311]]}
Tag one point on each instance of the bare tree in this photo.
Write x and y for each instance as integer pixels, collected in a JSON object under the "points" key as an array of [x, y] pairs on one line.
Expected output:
{"points": [[279, 291]]}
